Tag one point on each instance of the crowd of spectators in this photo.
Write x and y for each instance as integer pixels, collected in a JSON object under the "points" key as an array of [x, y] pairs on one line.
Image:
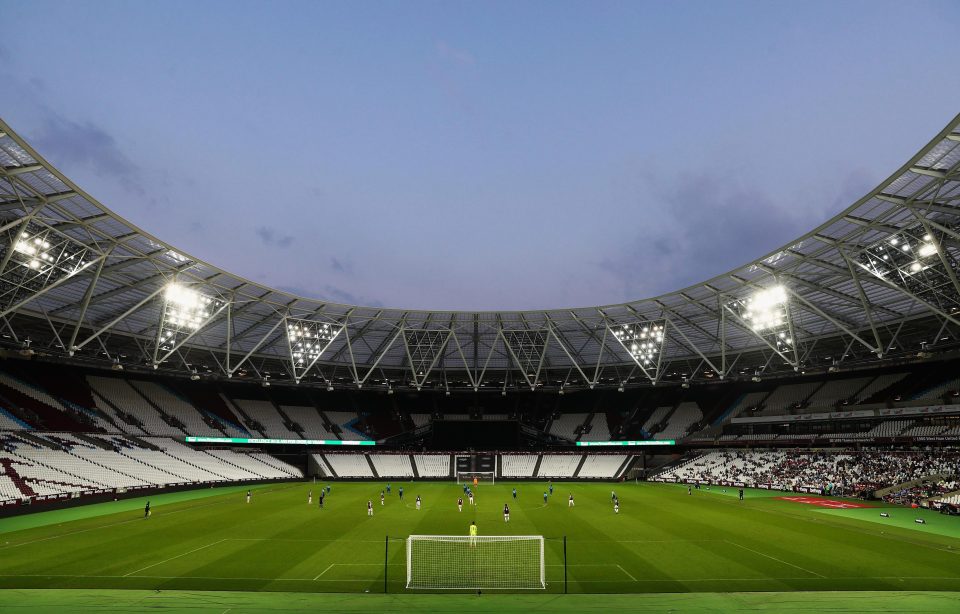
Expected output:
{"points": [[918, 494], [838, 472]]}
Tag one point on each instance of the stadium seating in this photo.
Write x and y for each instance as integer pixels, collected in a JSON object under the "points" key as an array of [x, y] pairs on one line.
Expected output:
{"points": [[311, 421], [517, 465], [176, 406], [420, 420], [559, 465], [266, 414], [840, 472], [878, 385], [599, 430], [656, 417], [392, 465], [565, 425], [349, 465], [837, 391], [347, 421], [10, 422], [686, 415], [432, 465], [120, 395], [602, 466], [784, 397]]}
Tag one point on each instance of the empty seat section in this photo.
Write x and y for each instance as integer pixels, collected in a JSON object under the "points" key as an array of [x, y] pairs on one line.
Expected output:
{"points": [[565, 425], [559, 465], [601, 465], [518, 465], [347, 421], [432, 465], [311, 421], [392, 465], [120, 394], [266, 414], [599, 429], [685, 416], [349, 465], [178, 407]]}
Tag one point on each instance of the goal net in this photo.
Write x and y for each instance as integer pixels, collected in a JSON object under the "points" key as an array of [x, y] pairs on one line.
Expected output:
{"points": [[483, 477], [449, 562]]}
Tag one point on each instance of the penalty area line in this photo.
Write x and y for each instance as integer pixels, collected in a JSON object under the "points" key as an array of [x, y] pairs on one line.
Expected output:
{"points": [[324, 571], [174, 557], [773, 558], [629, 575]]}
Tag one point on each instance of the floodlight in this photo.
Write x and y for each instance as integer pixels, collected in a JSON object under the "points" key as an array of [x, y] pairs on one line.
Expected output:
{"points": [[642, 339], [927, 249], [766, 309]]}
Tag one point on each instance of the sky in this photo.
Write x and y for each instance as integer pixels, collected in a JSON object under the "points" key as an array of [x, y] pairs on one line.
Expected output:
{"points": [[485, 155]]}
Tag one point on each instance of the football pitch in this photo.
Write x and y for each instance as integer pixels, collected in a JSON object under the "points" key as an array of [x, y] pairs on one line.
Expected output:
{"points": [[662, 541]]}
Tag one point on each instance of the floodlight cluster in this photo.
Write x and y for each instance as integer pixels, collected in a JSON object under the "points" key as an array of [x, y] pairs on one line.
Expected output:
{"points": [[308, 340], [766, 310], [642, 340], [185, 309], [36, 253], [907, 252]]}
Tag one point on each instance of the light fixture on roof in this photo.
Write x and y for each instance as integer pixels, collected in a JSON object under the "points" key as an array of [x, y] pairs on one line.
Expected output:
{"points": [[766, 309]]}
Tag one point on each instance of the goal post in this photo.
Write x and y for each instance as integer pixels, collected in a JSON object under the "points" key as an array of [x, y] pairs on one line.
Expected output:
{"points": [[484, 477], [452, 562]]}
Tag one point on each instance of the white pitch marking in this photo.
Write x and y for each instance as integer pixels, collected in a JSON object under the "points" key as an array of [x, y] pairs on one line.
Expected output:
{"points": [[174, 557], [773, 558], [325, 570], [629, 575]]}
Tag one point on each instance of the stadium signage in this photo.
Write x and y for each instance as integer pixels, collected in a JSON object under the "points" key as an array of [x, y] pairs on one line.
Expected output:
{"points": [[296, 442], [650, 442]]}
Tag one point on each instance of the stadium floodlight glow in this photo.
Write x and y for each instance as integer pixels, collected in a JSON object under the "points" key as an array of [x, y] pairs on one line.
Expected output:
{"points": [[919, 261], [35, 258], [307, 340], [643, 340], [185, 311], [186, 308], [765, 309], [766, 313]]}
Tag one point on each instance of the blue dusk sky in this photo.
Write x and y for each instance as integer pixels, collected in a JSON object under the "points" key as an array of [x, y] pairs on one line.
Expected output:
{"points": [[480, 155]]}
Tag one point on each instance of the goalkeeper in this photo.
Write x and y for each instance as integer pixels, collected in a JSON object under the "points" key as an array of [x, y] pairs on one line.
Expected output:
{"points": [[473, 533]]}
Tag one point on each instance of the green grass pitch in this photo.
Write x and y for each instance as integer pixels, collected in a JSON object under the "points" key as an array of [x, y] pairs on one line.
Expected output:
{"points": [[662, 541]]}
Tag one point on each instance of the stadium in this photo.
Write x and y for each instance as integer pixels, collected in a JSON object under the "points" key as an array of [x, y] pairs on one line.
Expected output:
{"points": [[784, 436]]}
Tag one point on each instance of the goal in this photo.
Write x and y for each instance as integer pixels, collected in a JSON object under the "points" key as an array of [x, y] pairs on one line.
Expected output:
{"points": [[484, 477], [451, 562]]}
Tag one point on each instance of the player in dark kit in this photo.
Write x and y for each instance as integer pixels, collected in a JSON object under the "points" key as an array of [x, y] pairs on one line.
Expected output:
{"points": [[741, 494], [506, 513], [323, 495], [400, 492], [514, 493], [146, 510]]}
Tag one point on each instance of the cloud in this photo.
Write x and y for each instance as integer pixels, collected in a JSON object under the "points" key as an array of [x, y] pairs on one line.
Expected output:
{"points": [[457, 56], [341, 266], [703, 225], [86, 144], [272, 238]]}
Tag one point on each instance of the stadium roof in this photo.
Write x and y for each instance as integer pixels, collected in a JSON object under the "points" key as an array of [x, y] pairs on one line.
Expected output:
{"points": [[879, 280]]}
